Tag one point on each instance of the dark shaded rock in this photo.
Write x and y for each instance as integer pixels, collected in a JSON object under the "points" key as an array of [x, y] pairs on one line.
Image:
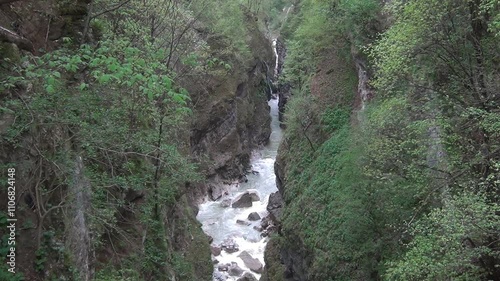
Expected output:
{"points": [[265, 222], [254, 216], [235, 270], [229, 246], [223, 267], [243, 200], [253, 264], [247, 277], [274, 207], [215, 250], [258, 228], [270, 229]]}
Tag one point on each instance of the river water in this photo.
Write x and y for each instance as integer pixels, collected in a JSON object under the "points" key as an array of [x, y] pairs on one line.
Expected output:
{"points": [[220, 222]]}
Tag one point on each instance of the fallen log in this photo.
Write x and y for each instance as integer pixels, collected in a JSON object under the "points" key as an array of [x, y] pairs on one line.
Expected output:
{"points": [[11, 37]]}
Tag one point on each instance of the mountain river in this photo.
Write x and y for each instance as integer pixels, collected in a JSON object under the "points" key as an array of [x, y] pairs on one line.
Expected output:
{"points": [[220, 221]]}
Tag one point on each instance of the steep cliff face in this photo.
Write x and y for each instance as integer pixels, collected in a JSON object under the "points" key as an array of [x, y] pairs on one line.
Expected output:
{"points": [[231, 111], [287, 256], [283, 89]]}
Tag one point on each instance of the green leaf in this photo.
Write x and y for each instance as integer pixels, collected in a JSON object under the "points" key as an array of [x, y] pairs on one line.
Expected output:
{"points": [[50, 89], [179, 98], [104, 78], [168, 82]]}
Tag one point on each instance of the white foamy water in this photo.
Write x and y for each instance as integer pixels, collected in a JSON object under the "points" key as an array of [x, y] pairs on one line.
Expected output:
{"points": [[220, 223]]}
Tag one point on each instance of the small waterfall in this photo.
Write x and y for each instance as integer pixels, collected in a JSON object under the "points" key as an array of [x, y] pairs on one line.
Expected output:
{"points": [[276, 65]]}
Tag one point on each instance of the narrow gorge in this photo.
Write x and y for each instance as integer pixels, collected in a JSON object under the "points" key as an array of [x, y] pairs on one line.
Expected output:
{"points": [[237, 140]]}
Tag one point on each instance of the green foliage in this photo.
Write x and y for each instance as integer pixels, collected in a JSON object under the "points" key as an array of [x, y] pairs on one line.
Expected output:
{"points": [[409, 190], [335, 118], [114, 118], [448, 239], [226, 18]]}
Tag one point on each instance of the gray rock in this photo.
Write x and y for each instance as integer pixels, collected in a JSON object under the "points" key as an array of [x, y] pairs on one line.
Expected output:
{"points": [[269, 230], [229, 246], [235, 270], [219, 276], [223, 267], [247, 277], [215, 250], [225, 203], [253, 264], [246, 198], [243, 200], [242, 222], [254, 216], [215, 191], [274, 206], [254, 194], [258, 228]]}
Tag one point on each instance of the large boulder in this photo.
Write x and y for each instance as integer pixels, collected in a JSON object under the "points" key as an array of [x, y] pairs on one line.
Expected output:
{"points": [[253, 264], [243, 200], [235, 270], [254, 216], [247, 277]]}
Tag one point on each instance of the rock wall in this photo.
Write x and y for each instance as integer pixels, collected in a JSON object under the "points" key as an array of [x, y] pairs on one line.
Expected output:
{"points": [[231, 112], [283, 89], [41, 25], [333, 84]]}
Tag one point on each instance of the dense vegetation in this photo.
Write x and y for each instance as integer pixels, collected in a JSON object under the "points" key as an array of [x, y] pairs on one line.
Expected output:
{"points": [[404, 184], [100, 122], [390, 163]]}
